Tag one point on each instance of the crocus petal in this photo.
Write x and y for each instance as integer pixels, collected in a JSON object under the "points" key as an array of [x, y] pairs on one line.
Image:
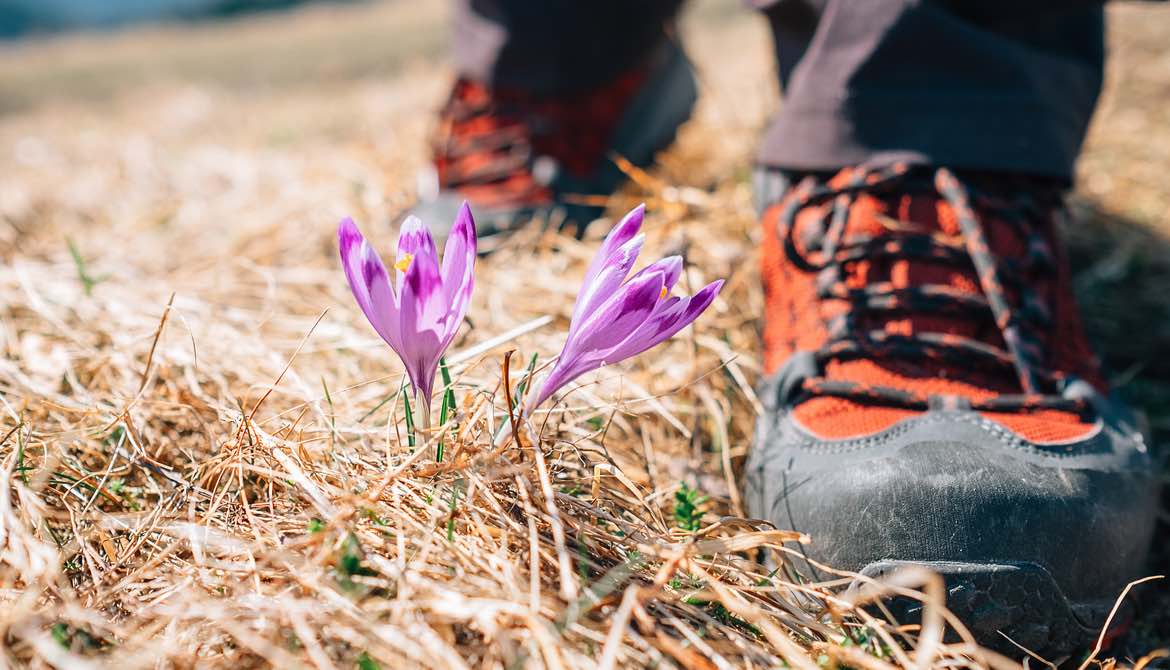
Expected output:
{"points": [[415, 238], [415, 244], [601, 286], [665, 323], [562, 373], [420, 272], [623, 232], [670, 315], [352, 246], [368, 281], [458, 270], [421, 317], [615, 317], [423, 310], [671, 268], [618, 317], [612, 323], [424, 367], [551, 384]]}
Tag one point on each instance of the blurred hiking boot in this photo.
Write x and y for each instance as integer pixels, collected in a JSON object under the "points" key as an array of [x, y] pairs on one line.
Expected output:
{"points": [[932, 400], [516, 157]]}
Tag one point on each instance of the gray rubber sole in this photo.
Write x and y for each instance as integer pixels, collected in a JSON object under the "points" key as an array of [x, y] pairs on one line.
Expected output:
{"points": [[1005, 603], [1034, 541]]}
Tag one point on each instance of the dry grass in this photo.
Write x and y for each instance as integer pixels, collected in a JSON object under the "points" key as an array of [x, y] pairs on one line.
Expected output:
{"points": [[197, 467]]}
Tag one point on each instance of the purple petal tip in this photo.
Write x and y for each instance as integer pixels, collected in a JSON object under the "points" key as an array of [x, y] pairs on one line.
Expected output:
{"points": [[634, 217], [629, 226], [347, 229], [465, 224]]}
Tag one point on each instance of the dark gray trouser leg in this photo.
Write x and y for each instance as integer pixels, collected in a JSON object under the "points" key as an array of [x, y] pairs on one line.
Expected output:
{"points": [[976, 84], [992, 85], [555, 46]]}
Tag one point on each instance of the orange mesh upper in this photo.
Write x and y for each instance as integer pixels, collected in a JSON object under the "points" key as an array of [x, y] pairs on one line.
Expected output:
{"points": [[487, 138], [796, 320]]}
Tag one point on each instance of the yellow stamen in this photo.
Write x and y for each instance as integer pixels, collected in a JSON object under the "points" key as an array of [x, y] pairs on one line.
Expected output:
{"points": [[663, 294], [403, 263]]}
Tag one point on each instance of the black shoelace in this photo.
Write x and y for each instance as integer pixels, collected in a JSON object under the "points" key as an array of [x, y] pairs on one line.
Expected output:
{"points": [[1021, 353]]}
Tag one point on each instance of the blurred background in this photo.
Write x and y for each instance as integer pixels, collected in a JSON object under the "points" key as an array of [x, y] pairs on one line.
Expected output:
{"points": [[25, 18]]}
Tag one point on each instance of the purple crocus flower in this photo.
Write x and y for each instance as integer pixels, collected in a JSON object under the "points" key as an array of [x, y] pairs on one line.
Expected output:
{"points": [[616, 318], [419, 316]]}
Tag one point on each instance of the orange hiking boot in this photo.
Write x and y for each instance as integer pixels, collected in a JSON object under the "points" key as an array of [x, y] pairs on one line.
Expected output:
{"points": [[515, 156], [931, 399]]}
